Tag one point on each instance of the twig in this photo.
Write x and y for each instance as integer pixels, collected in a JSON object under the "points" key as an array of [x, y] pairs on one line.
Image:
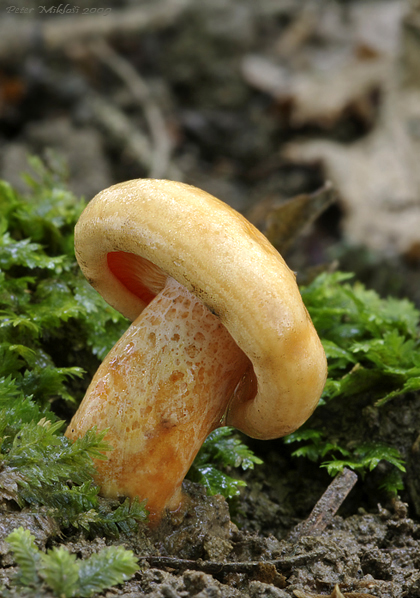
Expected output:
{"points": [[18, 36], [219, 568], [119, 128], [121, 131], [327, 506], [127, 73]]}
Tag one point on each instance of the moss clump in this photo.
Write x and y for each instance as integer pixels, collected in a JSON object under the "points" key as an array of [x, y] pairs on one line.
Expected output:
{"points": [[373, 350], [63, 573]]}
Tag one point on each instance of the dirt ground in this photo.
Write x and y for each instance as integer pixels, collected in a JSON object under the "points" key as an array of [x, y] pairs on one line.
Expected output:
{"points": [[255, 102]]}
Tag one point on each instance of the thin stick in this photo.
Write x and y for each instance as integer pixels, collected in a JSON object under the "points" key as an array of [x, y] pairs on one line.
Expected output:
{"points": [[140, 91], [327, 506], [121, 132], [218, 568]]}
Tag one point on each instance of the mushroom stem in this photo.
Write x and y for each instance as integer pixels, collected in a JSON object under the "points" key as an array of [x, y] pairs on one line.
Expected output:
{"points": [[161, 390]]}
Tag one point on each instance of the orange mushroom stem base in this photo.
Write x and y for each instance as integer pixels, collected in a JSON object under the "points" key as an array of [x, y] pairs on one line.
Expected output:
{"points": [[161, 390]]}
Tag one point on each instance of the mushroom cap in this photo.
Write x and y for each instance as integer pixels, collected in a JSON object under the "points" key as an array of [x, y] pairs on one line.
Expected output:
{"points": [[160, 228]]}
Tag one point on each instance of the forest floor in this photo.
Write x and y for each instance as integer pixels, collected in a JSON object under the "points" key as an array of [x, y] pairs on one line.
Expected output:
{"points": [[255, 102]]}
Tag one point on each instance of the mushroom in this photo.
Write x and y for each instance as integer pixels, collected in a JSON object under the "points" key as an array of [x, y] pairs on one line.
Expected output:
{"points": [[220, 335]]}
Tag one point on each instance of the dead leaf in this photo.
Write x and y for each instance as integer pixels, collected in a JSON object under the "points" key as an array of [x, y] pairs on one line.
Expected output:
{"points": [[328, 64], [378, 178], [320, 98], [282, 223], [10, 479]]}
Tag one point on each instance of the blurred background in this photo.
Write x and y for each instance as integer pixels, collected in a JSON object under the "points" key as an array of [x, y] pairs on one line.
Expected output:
{"points": [[255, 101]]}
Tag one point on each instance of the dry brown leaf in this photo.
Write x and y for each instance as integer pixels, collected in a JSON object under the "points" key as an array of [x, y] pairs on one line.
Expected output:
{"points": [[282, 223], [320, 83], [318, 97], [9, 484], [378, 178]]}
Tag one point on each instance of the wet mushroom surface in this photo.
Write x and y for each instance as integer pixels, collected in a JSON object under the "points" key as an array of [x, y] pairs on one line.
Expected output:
{"points": [[220, 336]]}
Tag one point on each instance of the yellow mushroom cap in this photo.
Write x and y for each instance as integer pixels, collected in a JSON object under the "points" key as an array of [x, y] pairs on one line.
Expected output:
{"points": [[133, 235]]}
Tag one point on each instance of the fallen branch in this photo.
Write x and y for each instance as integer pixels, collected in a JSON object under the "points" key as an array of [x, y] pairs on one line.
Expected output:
{"points": [[327, 506], [283, 564]]}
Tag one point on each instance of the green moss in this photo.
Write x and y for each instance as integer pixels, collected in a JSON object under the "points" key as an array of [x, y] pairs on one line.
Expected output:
{"points": [[63, 573], [220, 452], [373, 350]]}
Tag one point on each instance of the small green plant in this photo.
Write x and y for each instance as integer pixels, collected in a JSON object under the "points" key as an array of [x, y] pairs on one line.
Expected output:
{"points": [[63, 573], [373, 350], [372, 344], [221, 451]]}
